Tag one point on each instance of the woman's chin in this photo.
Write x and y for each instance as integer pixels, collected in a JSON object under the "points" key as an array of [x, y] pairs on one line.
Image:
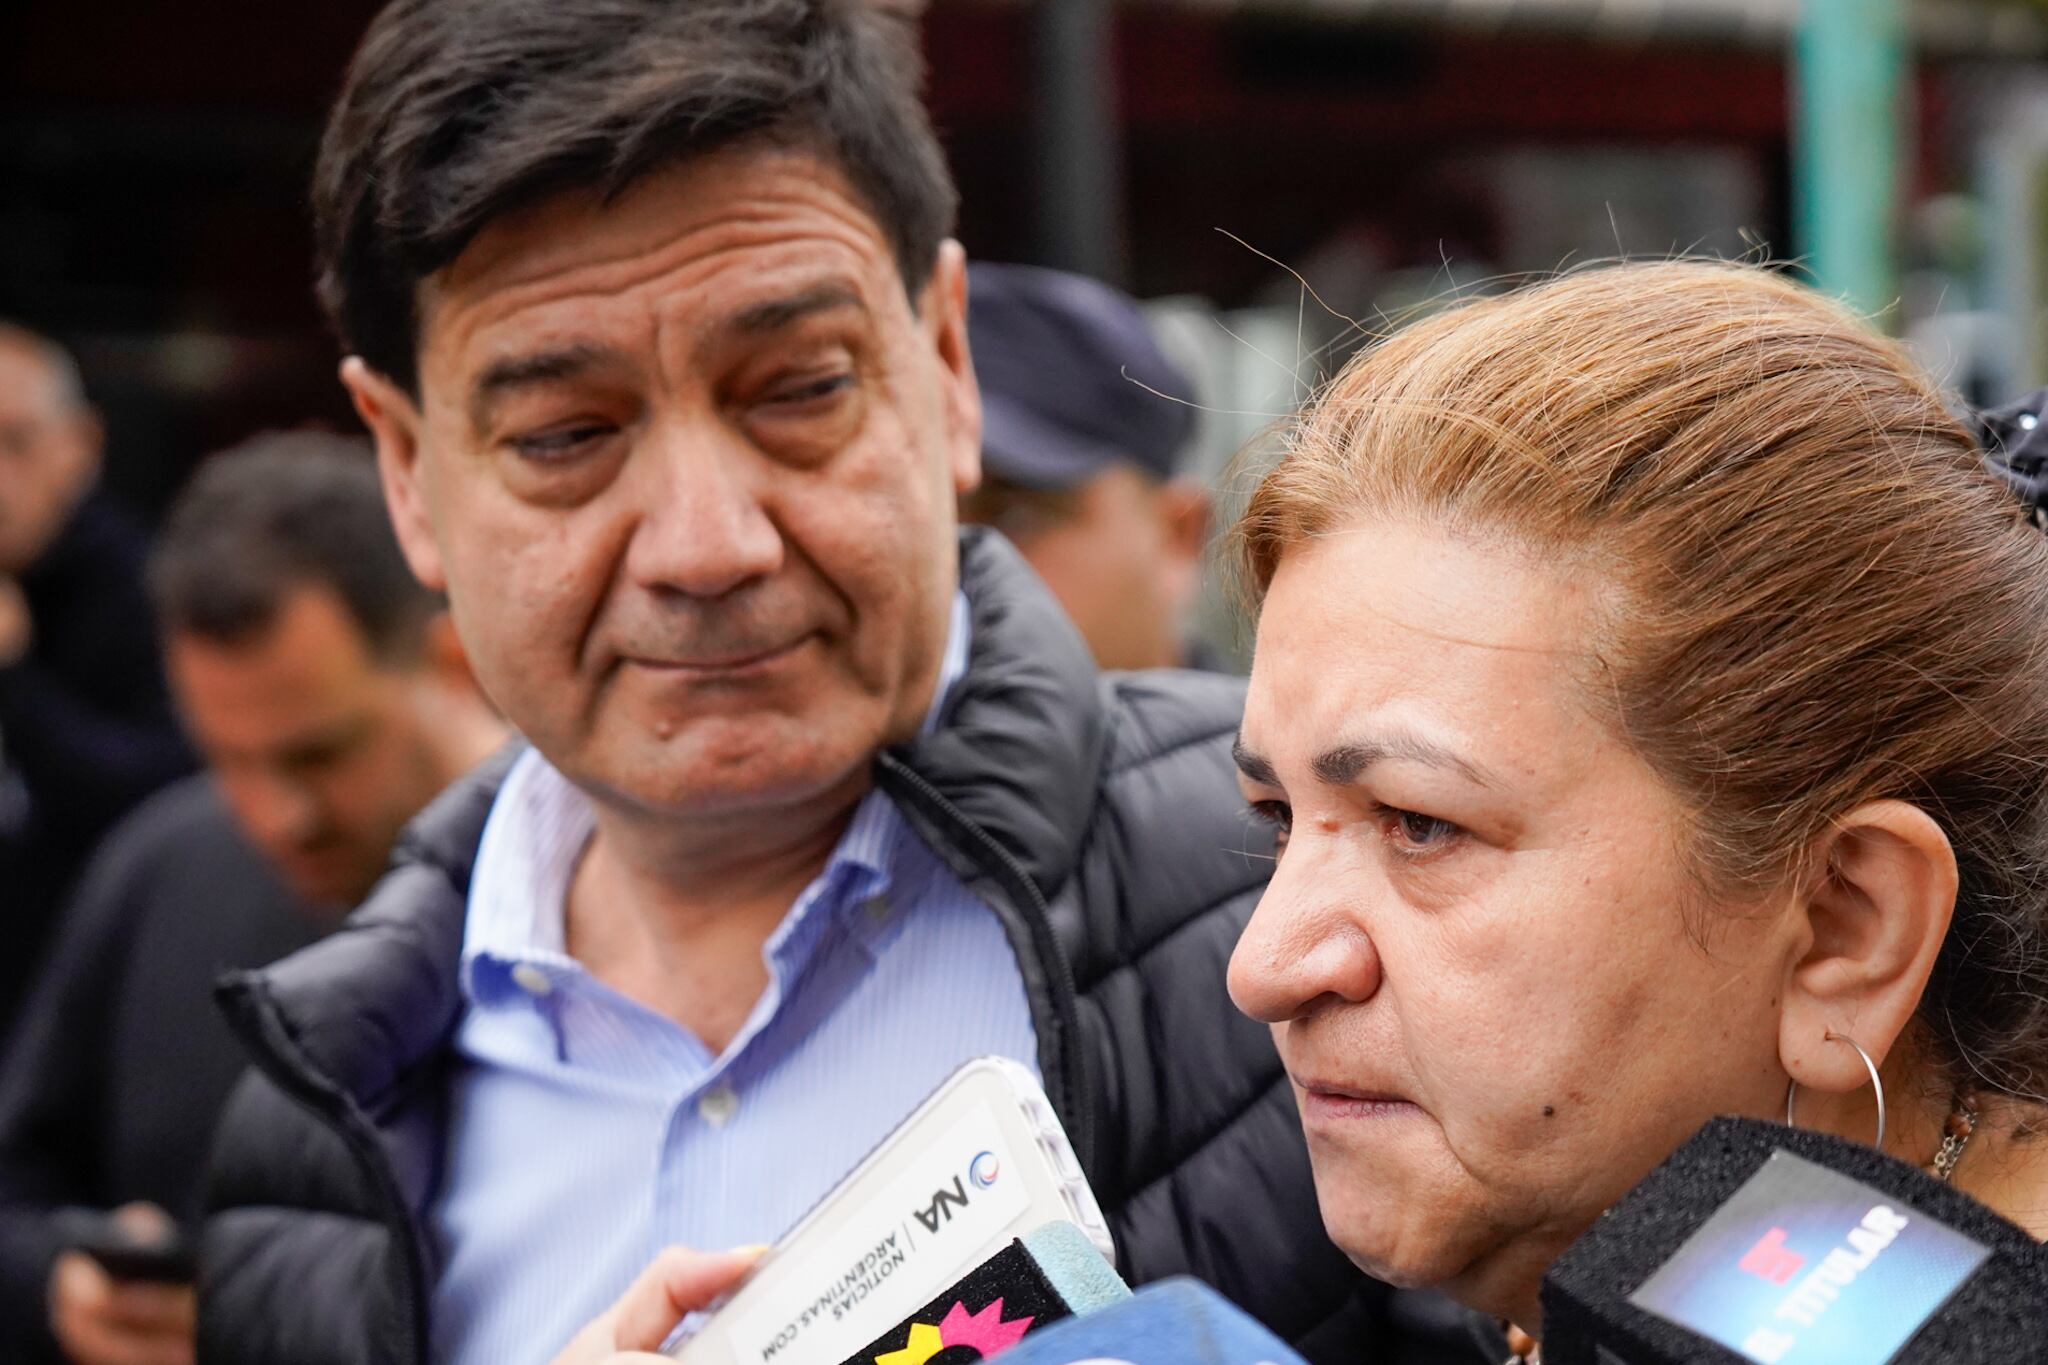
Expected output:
{"points": [[1379, 1242], [1467, 1264]]}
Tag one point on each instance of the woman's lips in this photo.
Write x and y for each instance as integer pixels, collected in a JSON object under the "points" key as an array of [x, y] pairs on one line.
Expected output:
{"points": [[1332, 1102]]}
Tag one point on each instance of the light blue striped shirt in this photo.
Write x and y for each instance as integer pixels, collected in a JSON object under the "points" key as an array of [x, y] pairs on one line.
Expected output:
{"points": [[587, 1132]]}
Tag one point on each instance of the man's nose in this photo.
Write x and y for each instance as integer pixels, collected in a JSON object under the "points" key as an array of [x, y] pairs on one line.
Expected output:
{"points": [[704, 527], [278, 811], [1306, 945]]}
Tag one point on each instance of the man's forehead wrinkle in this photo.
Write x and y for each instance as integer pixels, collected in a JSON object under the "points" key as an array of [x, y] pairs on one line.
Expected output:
{"points": [[648, 259], [809, 196], [693, 261]]}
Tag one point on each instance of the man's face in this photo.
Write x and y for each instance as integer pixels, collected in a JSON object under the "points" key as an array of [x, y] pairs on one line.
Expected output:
{"points": [[49, 450], [685, 464], [1126, 564], [322, 752]]}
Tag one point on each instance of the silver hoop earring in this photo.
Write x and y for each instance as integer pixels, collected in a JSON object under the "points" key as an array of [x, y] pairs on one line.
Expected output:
{"points": [[1792, 1090]]}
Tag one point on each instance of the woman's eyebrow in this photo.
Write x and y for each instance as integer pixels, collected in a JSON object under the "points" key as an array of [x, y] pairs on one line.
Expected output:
{"points": [[1252, 765], [1341, 766]]}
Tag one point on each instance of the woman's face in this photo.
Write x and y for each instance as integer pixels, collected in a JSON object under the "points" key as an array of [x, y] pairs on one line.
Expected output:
{"points": [[1475, 950]]}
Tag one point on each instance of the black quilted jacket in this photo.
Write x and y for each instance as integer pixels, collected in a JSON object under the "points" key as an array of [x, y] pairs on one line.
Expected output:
{"points": [[1096, 815]]}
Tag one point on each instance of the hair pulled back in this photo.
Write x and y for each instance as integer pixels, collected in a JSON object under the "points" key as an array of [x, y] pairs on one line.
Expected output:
{"points": [[1815, 595]]}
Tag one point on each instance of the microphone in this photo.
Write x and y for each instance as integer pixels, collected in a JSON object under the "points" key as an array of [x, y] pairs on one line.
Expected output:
{"points": [[1760, 1243], [1174, 1322], [1050, 1273]]}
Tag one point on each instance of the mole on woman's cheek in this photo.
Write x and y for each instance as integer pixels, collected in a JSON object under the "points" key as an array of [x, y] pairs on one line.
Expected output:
{"points": [[1550, 1111]]}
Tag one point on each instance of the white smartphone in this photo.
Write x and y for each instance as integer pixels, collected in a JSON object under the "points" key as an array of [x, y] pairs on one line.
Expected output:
{"points": [[980, 1163]]}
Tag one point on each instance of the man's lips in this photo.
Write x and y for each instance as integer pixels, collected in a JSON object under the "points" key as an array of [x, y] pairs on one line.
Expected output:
{"points": [[717, 664], [1323, 1099]]}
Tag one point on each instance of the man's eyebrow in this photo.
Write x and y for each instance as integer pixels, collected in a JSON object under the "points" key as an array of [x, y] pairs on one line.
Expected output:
{"points": [[1253, 765], [1344, 764], [772, 315], [515, 372]]}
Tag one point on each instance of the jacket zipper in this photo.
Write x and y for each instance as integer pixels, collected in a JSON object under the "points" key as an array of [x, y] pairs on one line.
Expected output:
{"points": [[1037, 916], [276, 1059]]}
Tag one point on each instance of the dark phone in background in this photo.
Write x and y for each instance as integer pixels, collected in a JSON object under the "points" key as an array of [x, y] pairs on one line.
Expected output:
{"points": [[124, 1254]]}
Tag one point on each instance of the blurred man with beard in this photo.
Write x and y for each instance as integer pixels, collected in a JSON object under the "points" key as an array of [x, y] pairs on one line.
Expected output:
{"points": [[326, 690]]}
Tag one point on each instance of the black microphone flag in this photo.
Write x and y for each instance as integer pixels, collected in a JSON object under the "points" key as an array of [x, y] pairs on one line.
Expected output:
{"points": [[1777, 1246]]}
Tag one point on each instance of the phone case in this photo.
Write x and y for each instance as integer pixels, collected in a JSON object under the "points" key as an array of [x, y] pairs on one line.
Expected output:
{"points": [[979, 1163]]}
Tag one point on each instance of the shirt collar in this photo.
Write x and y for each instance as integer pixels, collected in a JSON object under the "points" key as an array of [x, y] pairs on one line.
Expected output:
{"points": [[540, 822]]}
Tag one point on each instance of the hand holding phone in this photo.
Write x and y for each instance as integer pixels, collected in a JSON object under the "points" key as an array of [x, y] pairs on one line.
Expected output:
{"points": [[101, 1318], [679, 1282], [136, 1242]]}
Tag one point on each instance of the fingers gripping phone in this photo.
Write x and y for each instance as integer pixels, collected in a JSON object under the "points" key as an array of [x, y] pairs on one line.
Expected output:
{"points": [[124, 1253]]}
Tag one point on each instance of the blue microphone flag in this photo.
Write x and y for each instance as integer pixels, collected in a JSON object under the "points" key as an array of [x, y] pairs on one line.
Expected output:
{"points": [[1174, 1322], [1045, 1276]]}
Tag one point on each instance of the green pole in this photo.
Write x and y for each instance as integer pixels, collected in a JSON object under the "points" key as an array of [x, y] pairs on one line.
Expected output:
{"points": [[1849, 91]]}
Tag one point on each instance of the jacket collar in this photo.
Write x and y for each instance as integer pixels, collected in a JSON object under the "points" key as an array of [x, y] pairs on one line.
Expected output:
{"points": [[1018, 752], [1022, 742]]}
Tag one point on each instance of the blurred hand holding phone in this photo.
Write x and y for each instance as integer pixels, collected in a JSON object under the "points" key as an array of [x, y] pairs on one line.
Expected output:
{"points": [[120, 1289]]}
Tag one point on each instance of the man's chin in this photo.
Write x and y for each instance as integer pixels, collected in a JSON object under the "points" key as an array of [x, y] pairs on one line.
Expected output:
{"points": [[327, 890], [688, 778]]}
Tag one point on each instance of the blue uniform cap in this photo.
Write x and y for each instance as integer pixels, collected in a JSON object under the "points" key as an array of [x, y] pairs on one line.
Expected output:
{"points": [[1065, 365]]}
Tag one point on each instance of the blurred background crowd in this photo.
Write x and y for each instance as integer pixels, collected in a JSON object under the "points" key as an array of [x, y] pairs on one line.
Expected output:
{"points": [[1210, 200]]}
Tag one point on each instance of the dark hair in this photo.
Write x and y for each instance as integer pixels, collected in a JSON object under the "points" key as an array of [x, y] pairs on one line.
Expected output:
{"points": [[284, 511], [458, 111]]}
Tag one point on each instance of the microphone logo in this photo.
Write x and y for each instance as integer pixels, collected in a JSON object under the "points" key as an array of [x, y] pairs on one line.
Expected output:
{"points": [[982, 1173], [1770, 1259], [985, 1333]]}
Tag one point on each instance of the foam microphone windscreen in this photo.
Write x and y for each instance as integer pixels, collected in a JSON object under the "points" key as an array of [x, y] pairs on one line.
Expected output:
{"points": [[1050, 1273], [1174, 1322], [1756, 1242]]}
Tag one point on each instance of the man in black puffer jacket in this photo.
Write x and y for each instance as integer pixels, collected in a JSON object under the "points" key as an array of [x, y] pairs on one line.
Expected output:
{"points": [[1094, 814], [656, 324]]}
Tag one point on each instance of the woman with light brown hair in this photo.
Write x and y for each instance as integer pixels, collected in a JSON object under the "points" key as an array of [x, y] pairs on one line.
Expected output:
{"points": [[1651, 692]]}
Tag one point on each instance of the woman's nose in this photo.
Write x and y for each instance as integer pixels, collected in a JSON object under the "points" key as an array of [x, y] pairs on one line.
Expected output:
{"points": [[1300, 951]]}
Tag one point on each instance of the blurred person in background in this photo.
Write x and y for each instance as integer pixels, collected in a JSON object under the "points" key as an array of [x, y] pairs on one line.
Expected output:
{"points": [[86, 729], [1084, 423], [328, 694], [655, 315]]}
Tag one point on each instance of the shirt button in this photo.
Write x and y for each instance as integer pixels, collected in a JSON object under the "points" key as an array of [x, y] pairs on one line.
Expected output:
{"points": [[531, 979], [877, 908], [717, 1105]]}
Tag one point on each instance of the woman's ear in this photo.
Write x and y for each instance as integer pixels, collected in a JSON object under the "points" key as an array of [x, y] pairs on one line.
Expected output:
{"points": [[1876, 908]]}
